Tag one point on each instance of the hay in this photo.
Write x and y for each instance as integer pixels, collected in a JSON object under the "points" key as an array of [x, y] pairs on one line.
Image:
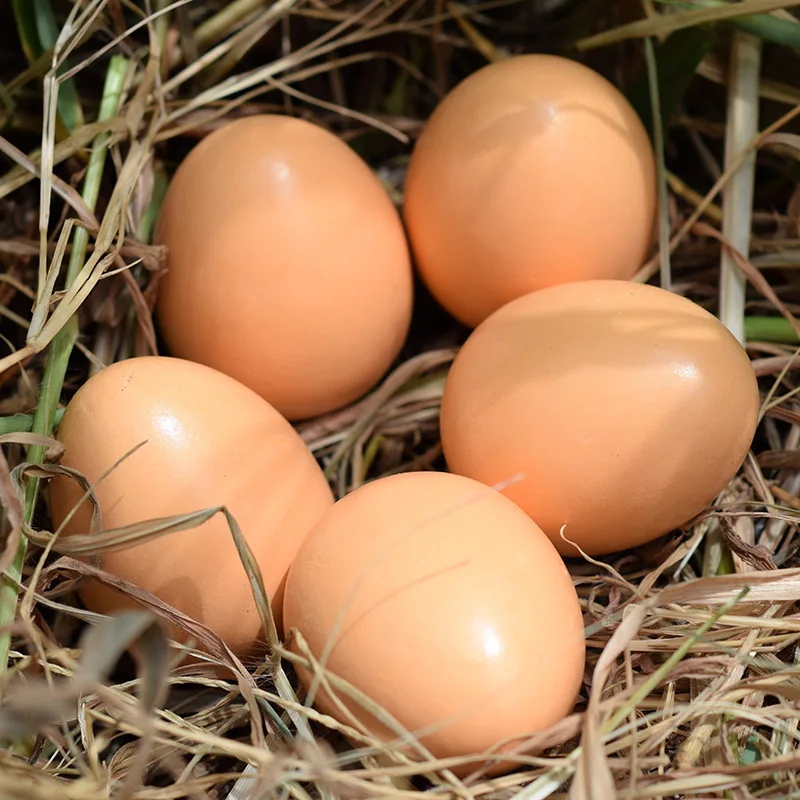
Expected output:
{"points": [[693, 680]]}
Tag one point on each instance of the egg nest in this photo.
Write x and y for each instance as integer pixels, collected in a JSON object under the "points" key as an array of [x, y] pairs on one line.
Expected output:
{"points": [[692, 680]]}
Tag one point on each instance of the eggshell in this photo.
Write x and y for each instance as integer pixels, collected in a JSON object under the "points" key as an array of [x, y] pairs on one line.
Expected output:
{"points": [[288, 266], [622, 408], [534, 171], [208, 441], [442, 602]]}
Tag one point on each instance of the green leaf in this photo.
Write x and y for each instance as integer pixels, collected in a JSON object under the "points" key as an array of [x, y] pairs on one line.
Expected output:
{"points": [[751, 753], [771, 29], [23, 423], [25, 16], [46, 25], [38, 31], [677, 59]]}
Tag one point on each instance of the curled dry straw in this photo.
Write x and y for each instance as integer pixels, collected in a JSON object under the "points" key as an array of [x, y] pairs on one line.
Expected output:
{"points": [[692, 685]]}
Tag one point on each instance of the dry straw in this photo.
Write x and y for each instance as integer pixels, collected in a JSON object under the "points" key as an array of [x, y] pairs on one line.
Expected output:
{"points": [[693, 681]]}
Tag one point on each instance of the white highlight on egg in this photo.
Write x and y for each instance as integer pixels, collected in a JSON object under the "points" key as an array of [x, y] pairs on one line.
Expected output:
{"points": [[687, 371], [170, 427], [492, 645]]}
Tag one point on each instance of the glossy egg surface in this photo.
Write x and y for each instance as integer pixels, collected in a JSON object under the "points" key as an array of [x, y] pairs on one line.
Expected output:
{"points": [[442, 602], [533, 171], [206, 440], [288, 266], [619, 410]]}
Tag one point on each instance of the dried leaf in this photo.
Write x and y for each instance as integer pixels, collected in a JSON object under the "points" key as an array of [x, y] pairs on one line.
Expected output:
{"points": [[29, 707]]}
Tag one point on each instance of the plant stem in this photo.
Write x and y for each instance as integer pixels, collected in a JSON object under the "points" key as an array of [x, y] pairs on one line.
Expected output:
{"points": [[741, 129], [737, 209], [60, 348], [769, 329], [661, 172]]}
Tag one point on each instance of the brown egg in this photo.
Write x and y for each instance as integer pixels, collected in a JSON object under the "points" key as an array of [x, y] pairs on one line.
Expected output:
{"points": [[446, 605], [621, 409], [208, 441], [288, 264], [534, 171]]}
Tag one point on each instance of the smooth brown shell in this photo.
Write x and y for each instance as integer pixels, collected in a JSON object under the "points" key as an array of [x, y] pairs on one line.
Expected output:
{"points": [[288, 266], [617, 409], [208, 441], [533, 171], [446, 605]]}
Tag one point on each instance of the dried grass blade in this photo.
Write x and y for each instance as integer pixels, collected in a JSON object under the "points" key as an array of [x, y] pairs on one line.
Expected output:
{"points": [[775, 585], [18, 176], [592, 770], [372, 405], [103, 644], [61, 188], [13, 509], [53, 448], [41, 306], [102, 647], [209, 641], [147, 21], [253, 572], [752, 274], [238, 45], [325, 43], [86, 544], [38, 32]]}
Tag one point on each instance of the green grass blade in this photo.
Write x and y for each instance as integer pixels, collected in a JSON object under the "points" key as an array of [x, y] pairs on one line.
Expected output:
{"points": [[160, 186], [661, 172], [771, 29], [38, 32], [766, 26], [22, 423], [665, 24], [25, 17], [676, 59], [61, 347]]}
